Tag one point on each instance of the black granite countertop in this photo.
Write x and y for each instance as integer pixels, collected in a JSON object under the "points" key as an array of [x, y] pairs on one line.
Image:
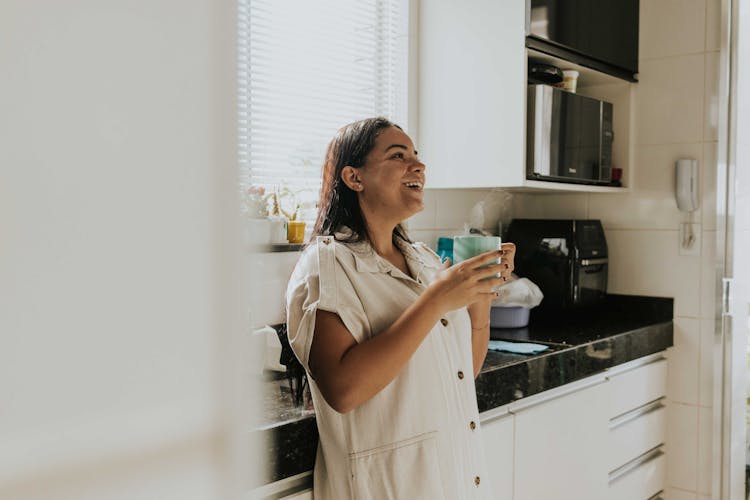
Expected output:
{"points": [[582, 343]]}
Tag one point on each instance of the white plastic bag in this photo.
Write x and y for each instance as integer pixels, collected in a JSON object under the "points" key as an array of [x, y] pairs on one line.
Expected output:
{"points": [[519, 292]]}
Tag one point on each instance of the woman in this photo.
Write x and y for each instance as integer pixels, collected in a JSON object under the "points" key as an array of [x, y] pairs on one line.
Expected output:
{"points": [[388, 335]]}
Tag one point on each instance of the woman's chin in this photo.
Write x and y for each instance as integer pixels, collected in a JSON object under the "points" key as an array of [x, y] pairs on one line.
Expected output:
{"points": [[414, 207]]}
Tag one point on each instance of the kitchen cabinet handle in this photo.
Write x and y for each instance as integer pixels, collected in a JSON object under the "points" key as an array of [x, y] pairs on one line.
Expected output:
{"points": [[635, 364], [594, 262], [647, 457], [637, 412]]}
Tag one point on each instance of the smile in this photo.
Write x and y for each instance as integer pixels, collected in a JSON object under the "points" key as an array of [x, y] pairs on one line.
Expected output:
{"points": [[416, 185]]}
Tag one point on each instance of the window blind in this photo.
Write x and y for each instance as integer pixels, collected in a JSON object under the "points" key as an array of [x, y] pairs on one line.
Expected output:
{"points": [[306, 69]]}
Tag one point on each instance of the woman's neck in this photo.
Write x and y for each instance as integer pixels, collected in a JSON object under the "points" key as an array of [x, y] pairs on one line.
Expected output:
{"points": [[381, 239]]}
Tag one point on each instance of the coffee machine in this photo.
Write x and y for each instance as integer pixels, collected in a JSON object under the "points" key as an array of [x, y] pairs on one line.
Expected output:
{"points": [[567, 259]]}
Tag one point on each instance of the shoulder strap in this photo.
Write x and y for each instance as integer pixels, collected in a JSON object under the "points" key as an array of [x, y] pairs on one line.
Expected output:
{"points": [[327, 272]]}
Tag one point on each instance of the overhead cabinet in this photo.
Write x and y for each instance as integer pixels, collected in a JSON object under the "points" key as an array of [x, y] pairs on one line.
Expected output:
{"points": [[473, 60], [472, 92], [598, 34]]}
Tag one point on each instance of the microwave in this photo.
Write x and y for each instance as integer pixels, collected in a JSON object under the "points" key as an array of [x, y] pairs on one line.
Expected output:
{"points": [[568, 137]]}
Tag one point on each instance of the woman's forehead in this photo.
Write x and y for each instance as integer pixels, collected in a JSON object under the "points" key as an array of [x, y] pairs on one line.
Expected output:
{"points": [[391, 136]]}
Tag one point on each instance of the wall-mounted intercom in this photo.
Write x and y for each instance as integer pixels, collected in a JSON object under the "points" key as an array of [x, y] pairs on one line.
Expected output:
{"points": [[686, 194]]}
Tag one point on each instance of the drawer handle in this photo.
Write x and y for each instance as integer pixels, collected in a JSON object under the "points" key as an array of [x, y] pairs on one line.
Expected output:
{"points": [[594, 262], [626, 417], [658, 496], [647, 457]]}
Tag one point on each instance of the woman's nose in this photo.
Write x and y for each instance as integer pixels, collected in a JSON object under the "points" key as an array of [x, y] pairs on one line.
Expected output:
{"points": [[418, 166]]}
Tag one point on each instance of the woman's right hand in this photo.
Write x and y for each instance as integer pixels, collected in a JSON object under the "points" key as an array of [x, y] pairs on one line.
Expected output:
{"points": [[465, 283]]}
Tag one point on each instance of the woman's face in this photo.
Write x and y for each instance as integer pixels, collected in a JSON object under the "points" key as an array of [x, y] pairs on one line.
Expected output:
{"points": [[392, 179]]}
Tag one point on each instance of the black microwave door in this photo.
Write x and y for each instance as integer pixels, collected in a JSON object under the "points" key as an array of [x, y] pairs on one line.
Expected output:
{"points": [[605, 30], [575, 137]]}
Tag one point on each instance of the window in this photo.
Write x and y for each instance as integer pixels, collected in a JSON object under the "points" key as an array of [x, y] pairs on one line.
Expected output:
{"points": [[307, 68]]}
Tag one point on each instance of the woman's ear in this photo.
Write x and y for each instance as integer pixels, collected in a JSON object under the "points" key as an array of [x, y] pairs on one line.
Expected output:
{"points": [[351, 178]]}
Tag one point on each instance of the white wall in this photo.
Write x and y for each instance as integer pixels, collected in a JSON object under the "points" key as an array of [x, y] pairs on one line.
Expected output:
{"points": [[675, 116], [118, 275]]}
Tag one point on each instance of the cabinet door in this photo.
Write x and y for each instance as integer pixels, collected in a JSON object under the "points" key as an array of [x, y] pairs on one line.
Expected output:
{"points": [[472, 92], [497, 435], [560, 447]]}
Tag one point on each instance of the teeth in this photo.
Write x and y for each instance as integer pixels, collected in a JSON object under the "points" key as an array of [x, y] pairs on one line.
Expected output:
{"points": [[414, 184]]}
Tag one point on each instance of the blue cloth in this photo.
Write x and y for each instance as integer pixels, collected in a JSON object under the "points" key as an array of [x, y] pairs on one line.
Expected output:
{"points": [[517, 347]]}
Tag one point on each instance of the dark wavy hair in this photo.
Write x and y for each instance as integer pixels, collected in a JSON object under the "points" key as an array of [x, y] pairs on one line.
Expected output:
{"points": [[339, 205]]}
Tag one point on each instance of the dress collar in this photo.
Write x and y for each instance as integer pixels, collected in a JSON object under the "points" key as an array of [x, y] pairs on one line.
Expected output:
{"points": [[367, 260]]}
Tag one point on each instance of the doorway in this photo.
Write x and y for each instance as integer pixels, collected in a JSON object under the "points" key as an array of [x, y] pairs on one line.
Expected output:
{"points": [[732, 396]]}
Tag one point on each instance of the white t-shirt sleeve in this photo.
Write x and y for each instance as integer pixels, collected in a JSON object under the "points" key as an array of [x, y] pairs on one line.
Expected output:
{"points": [[319, 281]]}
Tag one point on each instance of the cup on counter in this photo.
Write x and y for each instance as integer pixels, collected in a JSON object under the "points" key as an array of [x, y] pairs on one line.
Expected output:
{"points": [[296, 231], [466, 247]]}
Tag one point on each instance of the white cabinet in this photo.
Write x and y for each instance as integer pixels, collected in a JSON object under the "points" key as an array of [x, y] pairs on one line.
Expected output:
{"points": [[560, 443], [497, 435], [641, 480], [637, 428], [472, 92], [600, 437], [472, 98]]}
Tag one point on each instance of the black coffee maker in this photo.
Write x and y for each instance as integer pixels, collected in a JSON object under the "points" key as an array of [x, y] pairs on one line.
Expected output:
{"points": [[567, 259]]}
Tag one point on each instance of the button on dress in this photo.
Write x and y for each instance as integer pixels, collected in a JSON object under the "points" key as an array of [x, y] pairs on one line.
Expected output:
{"points": [[418, 438]]}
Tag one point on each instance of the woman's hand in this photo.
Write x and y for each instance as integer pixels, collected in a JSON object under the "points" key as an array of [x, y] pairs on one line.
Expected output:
{"points": [[465, 283], [479, 311], [508, 259]]}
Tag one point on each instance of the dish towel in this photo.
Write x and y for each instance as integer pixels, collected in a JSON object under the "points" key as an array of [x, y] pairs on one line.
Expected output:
{"points": [[517, 347]]}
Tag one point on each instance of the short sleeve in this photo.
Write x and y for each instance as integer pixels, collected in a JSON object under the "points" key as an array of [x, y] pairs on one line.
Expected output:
{"points": [[321, 282]]}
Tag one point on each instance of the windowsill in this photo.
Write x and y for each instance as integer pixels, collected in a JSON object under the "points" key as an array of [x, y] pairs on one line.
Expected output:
{"points": [[275, 248]]}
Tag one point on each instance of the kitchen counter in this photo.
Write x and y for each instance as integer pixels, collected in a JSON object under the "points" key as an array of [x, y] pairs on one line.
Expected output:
{"points": [[582, 343]]}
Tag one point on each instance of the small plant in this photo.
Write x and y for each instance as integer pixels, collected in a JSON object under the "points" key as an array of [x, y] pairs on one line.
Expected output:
{"points": [[284, 196], [256, 202]]}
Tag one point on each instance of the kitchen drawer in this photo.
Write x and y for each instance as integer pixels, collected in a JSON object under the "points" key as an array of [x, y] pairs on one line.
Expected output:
{"points": [[636, 432], [637, 386], [642, 478]]}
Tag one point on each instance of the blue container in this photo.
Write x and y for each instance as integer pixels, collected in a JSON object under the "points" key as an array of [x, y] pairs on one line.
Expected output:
{"points": [[445, 249]]}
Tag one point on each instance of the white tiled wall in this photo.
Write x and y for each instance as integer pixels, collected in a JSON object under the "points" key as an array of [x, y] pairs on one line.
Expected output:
{"points": [[676, 115], [271, 272], [446, 211]]}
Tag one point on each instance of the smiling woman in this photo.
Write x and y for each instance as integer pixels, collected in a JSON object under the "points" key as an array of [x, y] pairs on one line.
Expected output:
{"points": [[388, 334]]}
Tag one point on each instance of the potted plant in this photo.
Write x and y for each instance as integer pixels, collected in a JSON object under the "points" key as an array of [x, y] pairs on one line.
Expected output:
{"points": [[295, 229]]}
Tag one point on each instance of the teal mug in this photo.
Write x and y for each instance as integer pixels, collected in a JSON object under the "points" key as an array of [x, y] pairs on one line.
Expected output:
{"points": [[466, 247]]}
